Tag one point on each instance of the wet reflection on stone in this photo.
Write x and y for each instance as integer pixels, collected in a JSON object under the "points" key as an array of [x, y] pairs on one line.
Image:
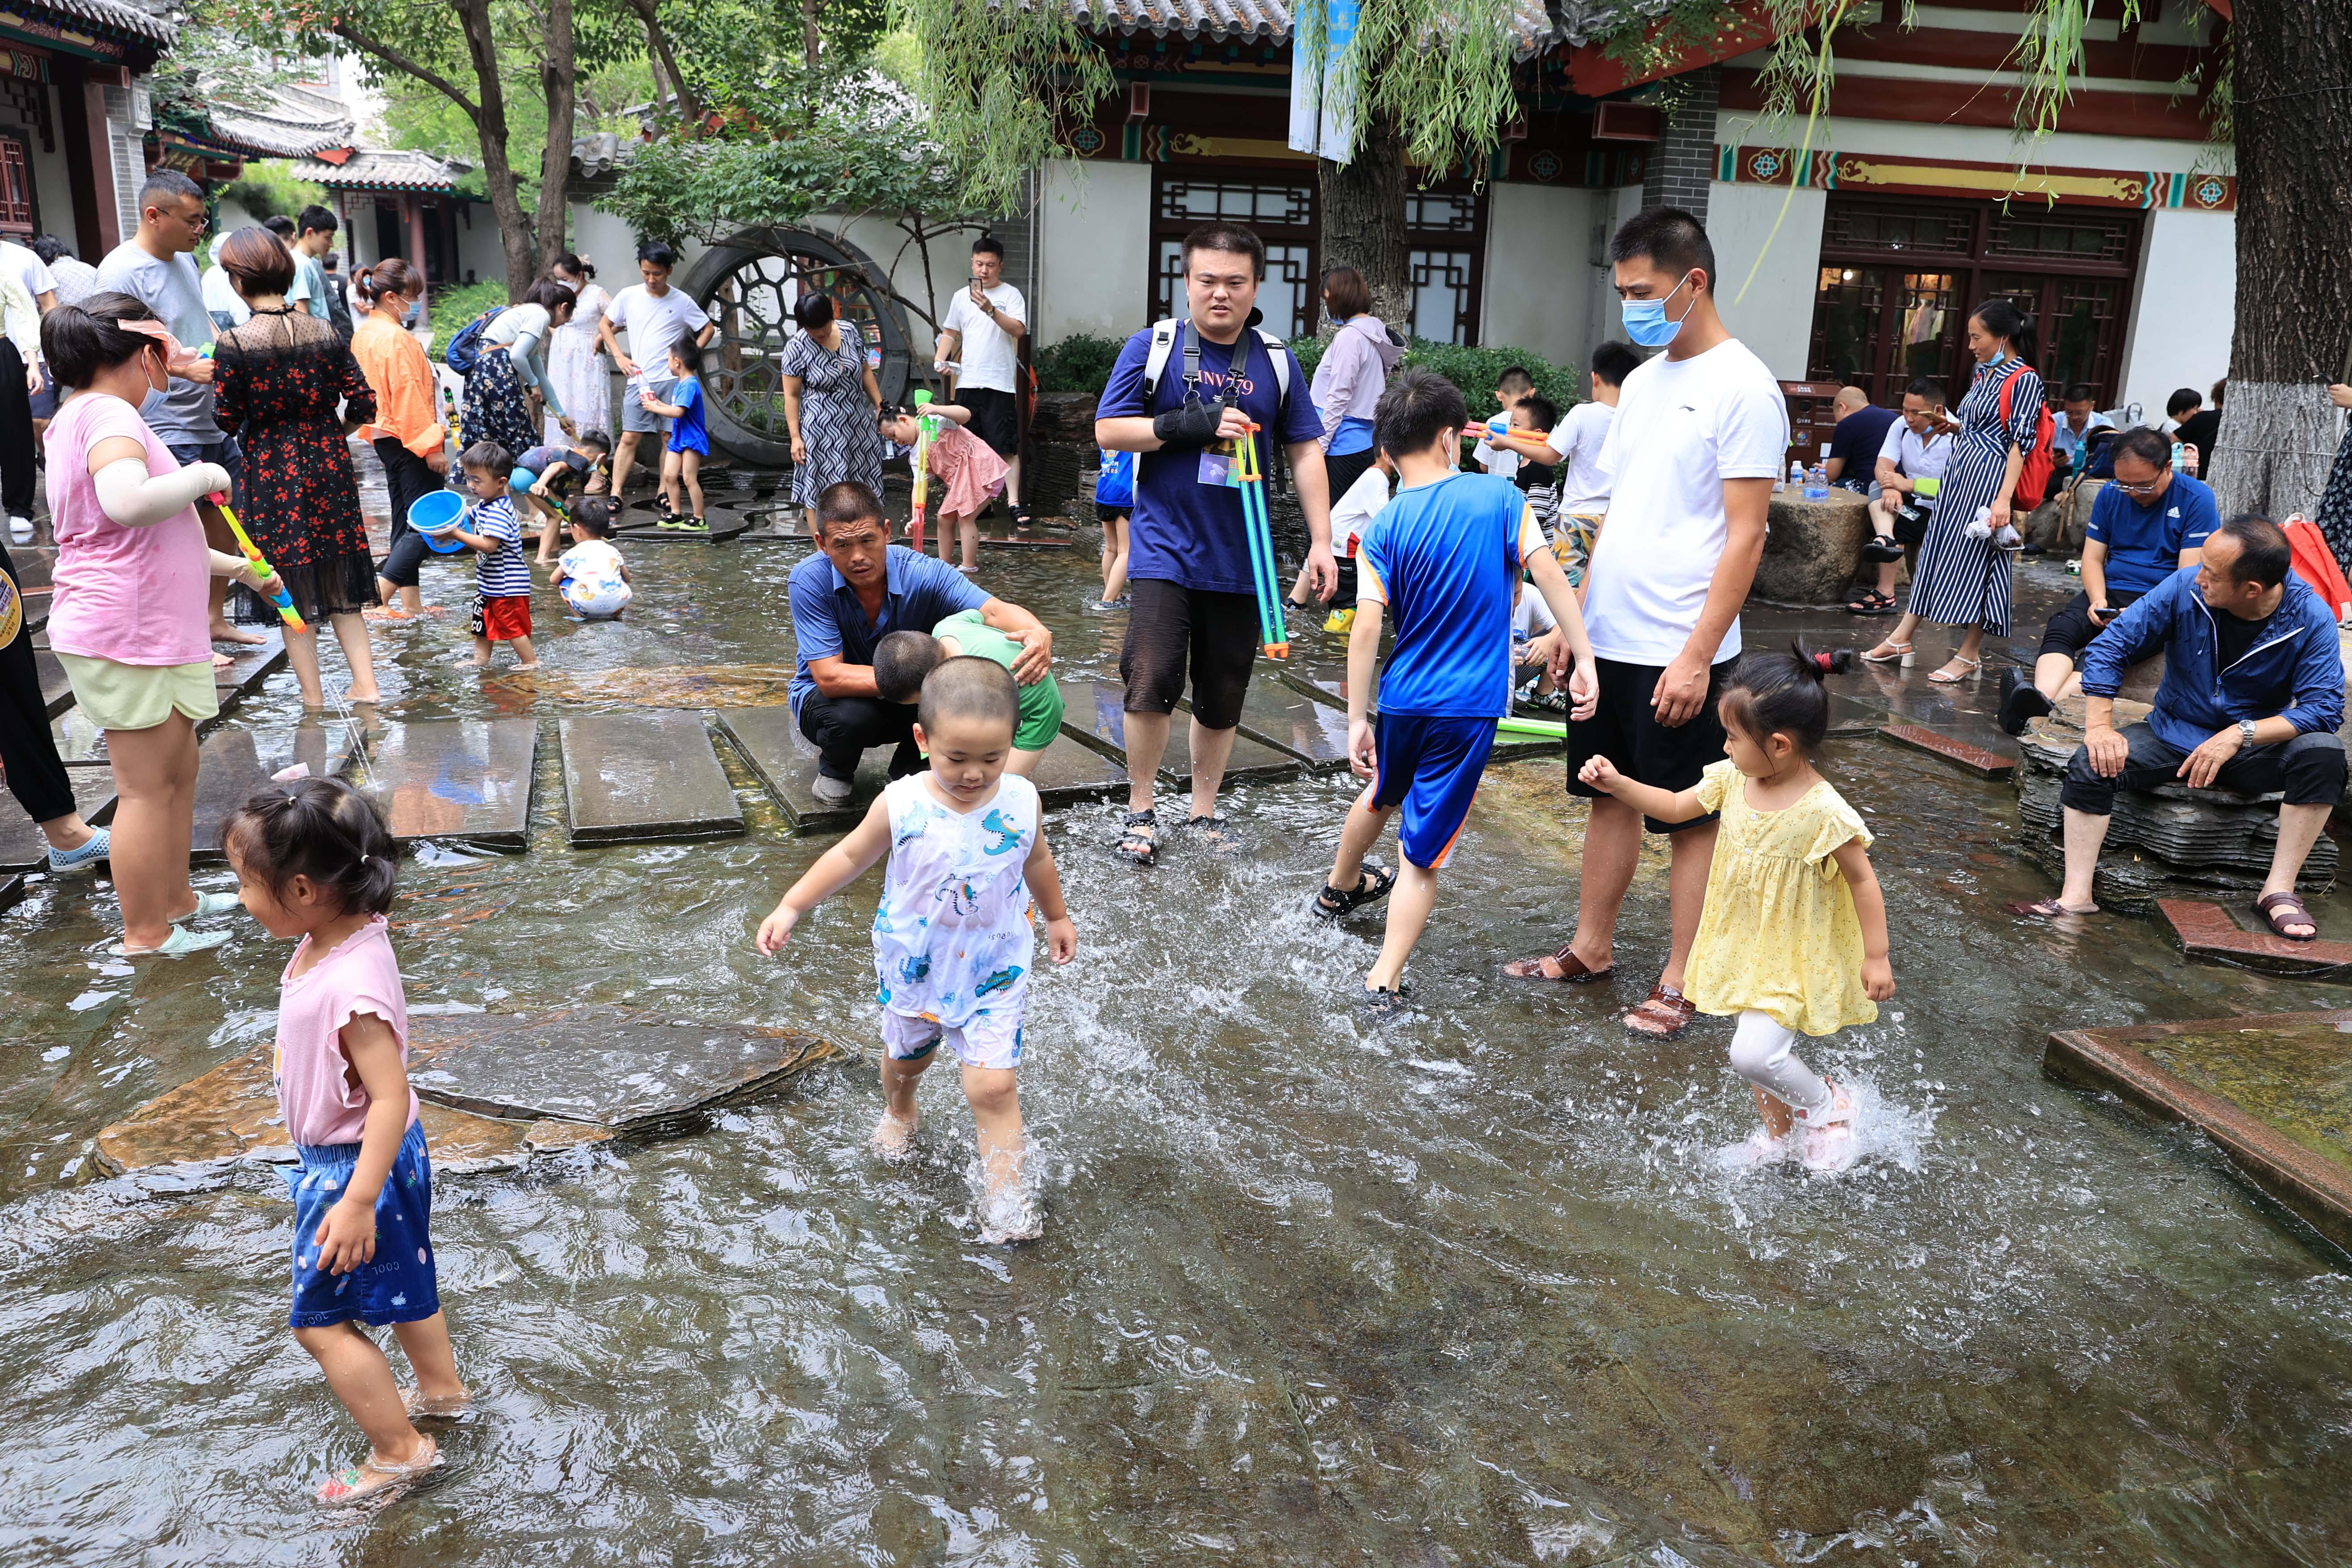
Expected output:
{"points": [[1097, 708], [23, 846], [629, 777], [233, 764], [456, 778]]}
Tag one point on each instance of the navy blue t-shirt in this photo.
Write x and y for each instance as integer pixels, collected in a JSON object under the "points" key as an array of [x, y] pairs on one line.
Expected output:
{"points": [[1183, 530], [2145, 541], [1858, 437]]}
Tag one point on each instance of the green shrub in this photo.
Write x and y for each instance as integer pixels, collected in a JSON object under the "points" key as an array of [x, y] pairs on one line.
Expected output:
{"points": [[1474, 370], [1080, 363], [450, 306], [270, 189]]}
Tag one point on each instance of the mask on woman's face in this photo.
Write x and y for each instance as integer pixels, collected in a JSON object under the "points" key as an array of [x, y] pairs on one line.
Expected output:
{"points": [[153, 402]]}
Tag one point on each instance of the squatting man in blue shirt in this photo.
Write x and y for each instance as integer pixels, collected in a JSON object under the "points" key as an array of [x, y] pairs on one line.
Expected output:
{"points": [[2252, 693]]}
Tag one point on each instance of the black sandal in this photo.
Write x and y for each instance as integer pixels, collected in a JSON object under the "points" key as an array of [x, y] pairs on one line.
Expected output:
{"points": [[1871, 602], [1333, 902], [1216, 830], [1136, 844], [1382, 1002], [1022, 519]]}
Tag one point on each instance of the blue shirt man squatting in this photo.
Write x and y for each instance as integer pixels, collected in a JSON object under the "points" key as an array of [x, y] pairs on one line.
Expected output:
{"points": [[844, 600], [1195, 610]]}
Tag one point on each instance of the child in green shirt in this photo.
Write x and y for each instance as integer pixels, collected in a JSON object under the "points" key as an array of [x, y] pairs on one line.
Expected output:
{"points": [[902, 659]]}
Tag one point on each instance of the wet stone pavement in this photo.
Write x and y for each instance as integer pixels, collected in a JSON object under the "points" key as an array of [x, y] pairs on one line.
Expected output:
{"points": [[1466, 1288]]}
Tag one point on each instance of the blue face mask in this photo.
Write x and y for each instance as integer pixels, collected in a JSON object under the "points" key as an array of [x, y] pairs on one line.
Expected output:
{"points": [[1645, 320]]}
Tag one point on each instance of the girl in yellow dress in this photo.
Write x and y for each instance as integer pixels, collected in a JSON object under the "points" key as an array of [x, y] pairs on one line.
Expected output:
{"points": [[1793, 936]]}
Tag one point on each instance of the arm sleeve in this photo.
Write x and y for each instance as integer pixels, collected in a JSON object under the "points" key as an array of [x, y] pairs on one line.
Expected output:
{"points": [[1715, 783], [1841, 824], [1891, 450], [525, 351], [359, 398], [414, 372], [2318, 681], [2130, 637], [135, 499], [1123, 393], [1332, 403], [2024, 409], [2102, 515], [1300, 422], [228, 388], [1753, 440], [1371, 572], [1531, 539], [2198, 519], [814, 625]]}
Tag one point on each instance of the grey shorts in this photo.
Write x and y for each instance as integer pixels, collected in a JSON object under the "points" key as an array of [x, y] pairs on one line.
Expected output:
{"points": [[635, 415]]}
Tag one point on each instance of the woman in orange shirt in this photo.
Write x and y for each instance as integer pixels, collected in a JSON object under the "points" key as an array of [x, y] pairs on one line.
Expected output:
{"points": [[407, 432]]}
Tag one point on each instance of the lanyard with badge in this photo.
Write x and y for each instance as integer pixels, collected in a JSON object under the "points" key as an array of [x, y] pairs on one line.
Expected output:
{"points": [[12, 609]]}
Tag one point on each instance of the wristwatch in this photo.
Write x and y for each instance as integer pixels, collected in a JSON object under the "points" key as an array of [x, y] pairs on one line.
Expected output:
{"points": [[2246, 731]]}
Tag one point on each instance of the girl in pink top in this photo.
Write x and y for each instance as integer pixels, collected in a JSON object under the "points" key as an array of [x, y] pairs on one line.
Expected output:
{"points": [[314, 860], [128, 616], [970, 468]]}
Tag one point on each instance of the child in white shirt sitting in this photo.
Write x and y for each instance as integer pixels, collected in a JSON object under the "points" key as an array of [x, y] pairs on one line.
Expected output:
{"points": [[591, 577]]}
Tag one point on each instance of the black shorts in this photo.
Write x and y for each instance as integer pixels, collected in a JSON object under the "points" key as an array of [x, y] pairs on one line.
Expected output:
{"points": [[2070, 631], [1624, 730], [1112, 511], [1169, 626], [1911, 522], [995, 418]]}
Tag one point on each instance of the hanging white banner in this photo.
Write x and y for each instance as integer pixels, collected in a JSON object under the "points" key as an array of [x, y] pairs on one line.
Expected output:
{"points": [[1322, 117]]}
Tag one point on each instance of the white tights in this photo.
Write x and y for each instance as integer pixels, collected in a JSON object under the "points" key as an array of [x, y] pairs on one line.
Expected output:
{"points": [[1763, 1052]]}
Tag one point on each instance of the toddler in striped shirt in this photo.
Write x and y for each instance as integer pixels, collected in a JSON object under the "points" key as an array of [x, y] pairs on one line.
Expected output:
{"points": [[501, 576]]}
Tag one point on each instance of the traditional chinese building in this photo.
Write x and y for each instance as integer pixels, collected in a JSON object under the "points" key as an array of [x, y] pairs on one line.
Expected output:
{"points": [[74, 112]]}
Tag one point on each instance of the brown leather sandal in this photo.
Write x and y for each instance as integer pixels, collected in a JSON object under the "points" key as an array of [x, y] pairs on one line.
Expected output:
{"points": [[1572, 969], [1664, 1014], [2283, 909]]}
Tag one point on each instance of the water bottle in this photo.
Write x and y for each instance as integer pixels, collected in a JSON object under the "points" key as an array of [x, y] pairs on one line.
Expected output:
{"points": [[1796, 475], [1817, 483], [2177, 455]]}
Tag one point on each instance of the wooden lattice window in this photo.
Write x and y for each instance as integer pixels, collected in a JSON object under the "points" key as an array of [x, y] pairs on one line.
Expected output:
{"points": [[16, 187]]}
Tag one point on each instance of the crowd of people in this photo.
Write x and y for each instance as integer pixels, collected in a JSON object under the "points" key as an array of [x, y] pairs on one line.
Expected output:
{"points": [[1597, 557]]}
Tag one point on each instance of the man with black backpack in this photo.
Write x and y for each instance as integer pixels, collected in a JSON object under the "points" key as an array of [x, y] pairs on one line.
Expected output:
{"points": [[1184, 394]]}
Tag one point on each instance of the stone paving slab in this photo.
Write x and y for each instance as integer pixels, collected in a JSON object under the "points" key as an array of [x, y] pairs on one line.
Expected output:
{"points": [[233, 764], [785, 762], [1974, 758], [22, 847], [230, 1115], [466, 779], [2269, 1090], [12, 891], [639, 1075], [1096, 712], [248, 667], [632, 777], [2208, 933], [1276, 714]]}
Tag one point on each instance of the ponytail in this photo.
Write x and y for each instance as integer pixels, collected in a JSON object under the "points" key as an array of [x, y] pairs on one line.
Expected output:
{"points": [[319, 828], [388, 276]]}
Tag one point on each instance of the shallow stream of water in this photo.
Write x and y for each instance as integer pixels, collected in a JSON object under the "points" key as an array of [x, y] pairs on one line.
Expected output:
{"points": [[1464, 1289]]}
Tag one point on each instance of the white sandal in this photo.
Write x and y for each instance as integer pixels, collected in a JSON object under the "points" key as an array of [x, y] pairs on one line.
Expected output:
{"points": [[1976, 666], [1895, 653]]}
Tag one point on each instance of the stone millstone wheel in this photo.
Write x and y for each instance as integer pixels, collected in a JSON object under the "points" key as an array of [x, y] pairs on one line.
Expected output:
{"points": [[749, 284]]}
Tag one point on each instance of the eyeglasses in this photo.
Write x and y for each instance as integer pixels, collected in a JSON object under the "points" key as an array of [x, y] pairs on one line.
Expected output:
{"points": [[2148, 488]]}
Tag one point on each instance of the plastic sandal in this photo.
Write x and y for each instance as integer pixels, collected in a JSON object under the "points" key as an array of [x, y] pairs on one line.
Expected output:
{"points": [[90, 854], [209, 904], [1381, 1002], [1216, 831], [1134, 843], [2283, 909], [1332, 903], [179, 944], [358, 1483], [2044, 909]]}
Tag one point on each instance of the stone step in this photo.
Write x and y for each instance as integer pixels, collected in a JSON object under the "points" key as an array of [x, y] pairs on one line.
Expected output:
{"points": [[1278, 715], [2207, 933], [12, 891], [1096, 712], [463, 779], [637, 777], [234, 763], [1975, 759]]}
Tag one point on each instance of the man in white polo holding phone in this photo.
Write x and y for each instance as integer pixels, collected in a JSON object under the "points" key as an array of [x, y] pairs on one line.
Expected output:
{"points": [[982, 332]]}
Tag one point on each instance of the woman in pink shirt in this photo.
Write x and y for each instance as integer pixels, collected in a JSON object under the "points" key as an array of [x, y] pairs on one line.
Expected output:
{"points": [[126, 616]]}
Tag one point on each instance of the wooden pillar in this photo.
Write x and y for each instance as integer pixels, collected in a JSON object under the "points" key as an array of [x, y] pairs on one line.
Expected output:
{"points": [[90, 162], [412, 209]]}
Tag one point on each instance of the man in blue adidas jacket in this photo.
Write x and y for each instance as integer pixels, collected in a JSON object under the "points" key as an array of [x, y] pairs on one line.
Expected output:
{"points": [[2252, 693]]}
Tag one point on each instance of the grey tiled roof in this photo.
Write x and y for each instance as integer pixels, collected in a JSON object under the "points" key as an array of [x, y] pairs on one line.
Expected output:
{"points": [[114, 16], [295, 123], [1531, 29], [383, 170]]}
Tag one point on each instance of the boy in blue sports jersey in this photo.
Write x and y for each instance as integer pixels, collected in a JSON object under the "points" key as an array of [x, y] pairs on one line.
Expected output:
{"points": [[1443, 561], [1114, 501]]}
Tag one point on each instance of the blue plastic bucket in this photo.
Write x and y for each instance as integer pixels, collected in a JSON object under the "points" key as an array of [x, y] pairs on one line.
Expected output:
{"points": [[437, 512]]}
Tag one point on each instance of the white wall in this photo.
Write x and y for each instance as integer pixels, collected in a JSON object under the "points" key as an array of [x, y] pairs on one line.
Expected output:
{"points": [[1094, 251], [2184, 307], [479, 250], [1765, 287], [1538, 261]]}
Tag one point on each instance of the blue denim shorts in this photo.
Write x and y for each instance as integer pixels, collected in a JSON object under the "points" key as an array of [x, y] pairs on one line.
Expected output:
{"points": [[398, 1286]]}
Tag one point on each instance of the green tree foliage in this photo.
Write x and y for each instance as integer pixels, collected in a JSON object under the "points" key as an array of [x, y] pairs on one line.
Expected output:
{"points": [[1003, 84], [1473, 370], [1080, 363], [268, 188]]}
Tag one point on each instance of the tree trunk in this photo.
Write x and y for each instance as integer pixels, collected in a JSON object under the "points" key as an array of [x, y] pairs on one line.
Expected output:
{"points": [[559, 76], [515, 231], [1363, 220], [2293, 231], [665, 63]]}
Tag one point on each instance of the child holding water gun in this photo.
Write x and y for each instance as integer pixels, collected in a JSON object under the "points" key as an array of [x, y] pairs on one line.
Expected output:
{"points": [[1794, 938], [968, 466], [1114, 500], [952, 941], [545, 477], [315, 861]]}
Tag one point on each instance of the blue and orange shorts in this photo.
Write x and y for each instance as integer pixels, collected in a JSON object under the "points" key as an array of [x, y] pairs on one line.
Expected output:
{"points": [[1431, 766]]}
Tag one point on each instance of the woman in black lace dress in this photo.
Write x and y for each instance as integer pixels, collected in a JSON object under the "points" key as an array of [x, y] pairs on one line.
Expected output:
{"points": [[277, 382]]}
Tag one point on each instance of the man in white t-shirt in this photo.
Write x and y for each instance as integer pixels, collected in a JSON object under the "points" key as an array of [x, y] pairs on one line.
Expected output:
{"points": [[655, 316], [1701, 432], [985, 326]]}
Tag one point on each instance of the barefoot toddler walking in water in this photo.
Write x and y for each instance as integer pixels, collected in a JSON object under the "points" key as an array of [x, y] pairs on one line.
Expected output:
{"points": [[952, 941], [313, 860], [1793, 938]]}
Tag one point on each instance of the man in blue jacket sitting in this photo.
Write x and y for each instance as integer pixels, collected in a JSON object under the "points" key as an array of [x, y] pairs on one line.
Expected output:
{"points": [[2252, 693]]}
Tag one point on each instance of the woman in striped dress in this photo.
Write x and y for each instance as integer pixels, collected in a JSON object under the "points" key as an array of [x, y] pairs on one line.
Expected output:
{"points": [[1962, 581]]}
